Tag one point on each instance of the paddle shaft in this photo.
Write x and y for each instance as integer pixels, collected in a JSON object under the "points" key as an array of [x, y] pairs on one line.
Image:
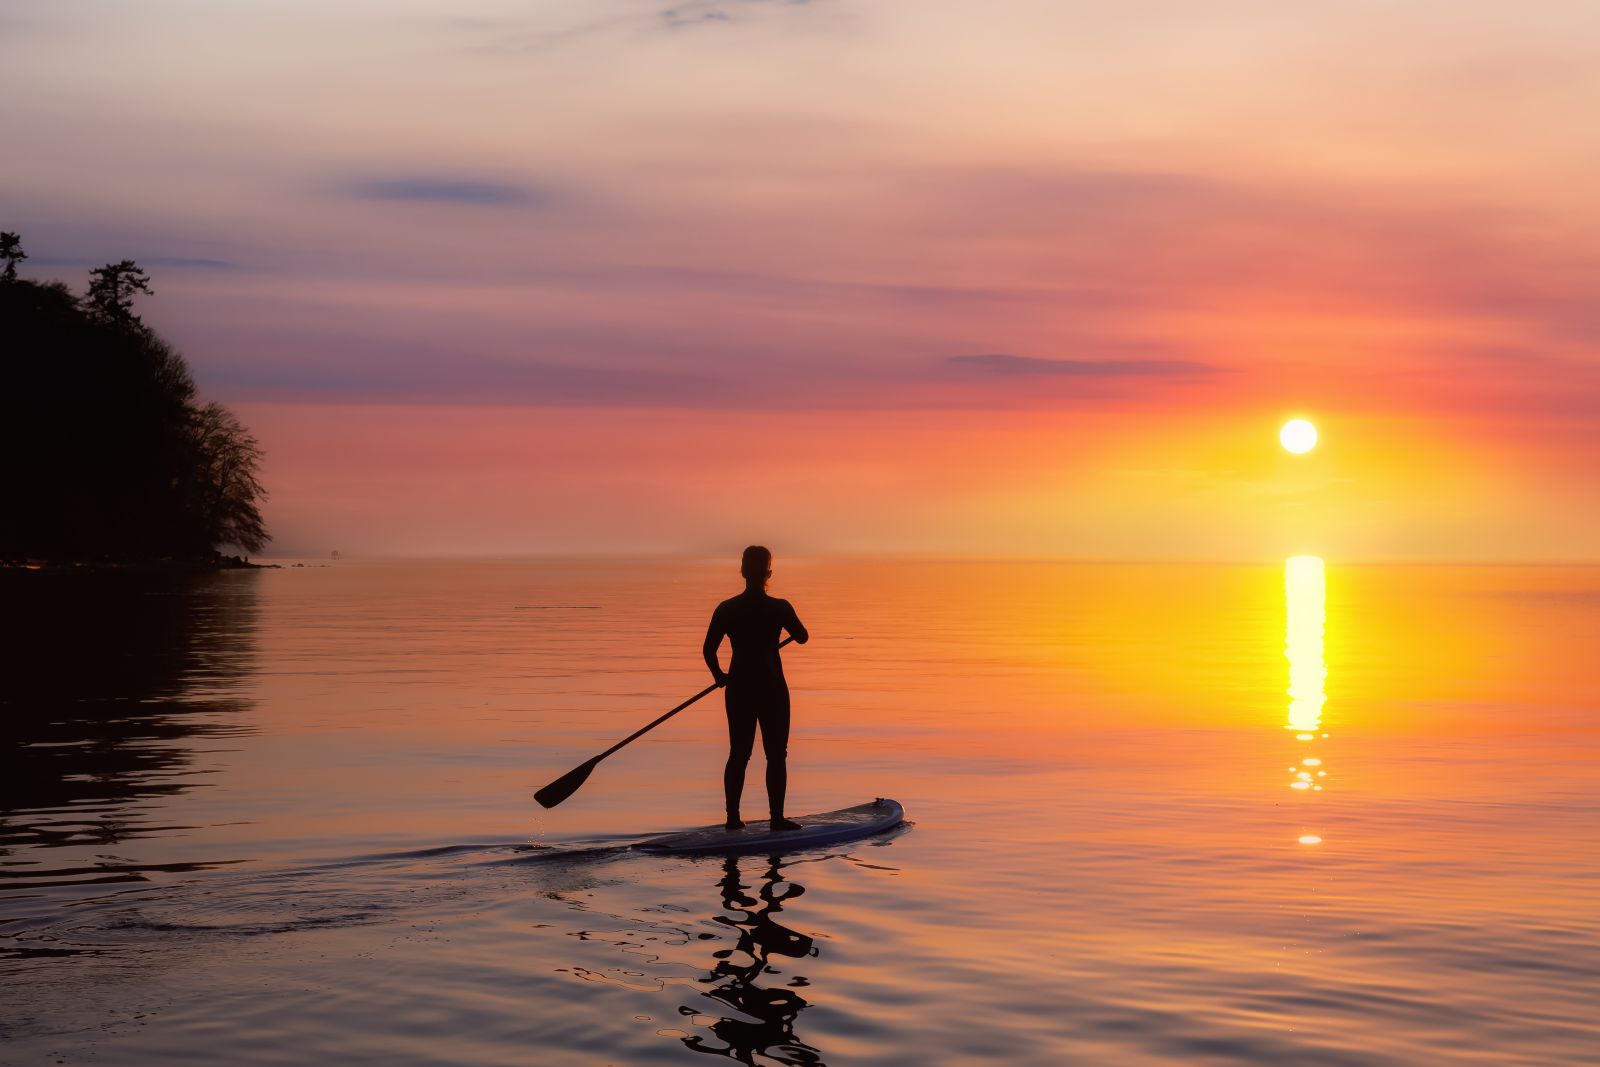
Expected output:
{"points": [[646, 729]]}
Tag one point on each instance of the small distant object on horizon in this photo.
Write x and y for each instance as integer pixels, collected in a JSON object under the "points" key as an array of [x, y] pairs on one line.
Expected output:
{"points": [[334, 554]]}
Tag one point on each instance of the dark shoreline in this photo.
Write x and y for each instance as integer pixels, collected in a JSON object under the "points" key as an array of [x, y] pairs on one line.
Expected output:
{"points": [[155, 566]]}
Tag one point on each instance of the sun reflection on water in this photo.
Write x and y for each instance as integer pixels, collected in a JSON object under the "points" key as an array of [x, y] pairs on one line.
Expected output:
{"points": [[1304, 595], [1305, 604]]}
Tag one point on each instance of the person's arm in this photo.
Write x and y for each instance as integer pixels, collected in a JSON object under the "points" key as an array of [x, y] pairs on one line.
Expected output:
{"points": [[796, 628], [714, 635]]}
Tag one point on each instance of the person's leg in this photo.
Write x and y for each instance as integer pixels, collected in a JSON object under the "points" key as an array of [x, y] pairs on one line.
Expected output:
{"points": [[775, 745], [741, 739]]}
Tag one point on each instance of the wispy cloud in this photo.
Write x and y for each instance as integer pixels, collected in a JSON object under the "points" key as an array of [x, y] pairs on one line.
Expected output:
{"points": [[511, 36], [187, 263], [418, 375], [1001, 363], [445, 190], [164, 262], [677, 18], [700, 12]]}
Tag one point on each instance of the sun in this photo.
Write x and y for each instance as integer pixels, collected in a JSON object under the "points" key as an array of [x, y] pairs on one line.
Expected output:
{"points": [[1298, 436]]}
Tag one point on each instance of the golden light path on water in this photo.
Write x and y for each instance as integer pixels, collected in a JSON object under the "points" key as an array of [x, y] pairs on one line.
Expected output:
{"points": [[1305, 608]]}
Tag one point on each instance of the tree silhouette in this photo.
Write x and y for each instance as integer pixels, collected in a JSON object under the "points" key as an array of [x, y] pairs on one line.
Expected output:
{"points": [[224, 494], [110, 455], [11, 251], [112, 288]]}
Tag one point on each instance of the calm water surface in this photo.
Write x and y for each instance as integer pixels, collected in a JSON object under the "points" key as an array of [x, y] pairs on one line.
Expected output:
{"points": [[1160, 815]]}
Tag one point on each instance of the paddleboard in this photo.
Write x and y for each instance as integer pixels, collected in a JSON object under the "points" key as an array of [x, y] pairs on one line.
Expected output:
{"points": [[828, 828]]}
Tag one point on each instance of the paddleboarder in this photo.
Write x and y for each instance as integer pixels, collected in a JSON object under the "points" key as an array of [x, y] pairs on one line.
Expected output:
{"points": [[753, 685]]}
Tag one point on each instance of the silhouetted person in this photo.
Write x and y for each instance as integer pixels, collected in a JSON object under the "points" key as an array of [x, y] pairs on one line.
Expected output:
{"points": [[755, 690]]}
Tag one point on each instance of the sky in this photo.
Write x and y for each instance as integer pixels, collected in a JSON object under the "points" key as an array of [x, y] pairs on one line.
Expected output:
{"points": [[1021, 279]]}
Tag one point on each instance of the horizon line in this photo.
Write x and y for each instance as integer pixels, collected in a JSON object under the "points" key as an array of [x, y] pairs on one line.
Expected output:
{"points": [[903, 557]]}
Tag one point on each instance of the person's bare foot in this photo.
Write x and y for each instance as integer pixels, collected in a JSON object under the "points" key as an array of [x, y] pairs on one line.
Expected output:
{"points": [[733, 823], [780, 823]]}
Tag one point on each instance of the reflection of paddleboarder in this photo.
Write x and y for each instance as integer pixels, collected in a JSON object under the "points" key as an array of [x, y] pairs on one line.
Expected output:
{"points": [[754, 685], [764, 1024]]}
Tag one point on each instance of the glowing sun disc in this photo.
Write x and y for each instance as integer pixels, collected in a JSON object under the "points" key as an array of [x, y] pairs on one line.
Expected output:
{"points": [[1298, 436]]}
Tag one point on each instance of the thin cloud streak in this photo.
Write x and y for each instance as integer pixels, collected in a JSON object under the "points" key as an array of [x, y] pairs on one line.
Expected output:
{"points": [[442, 190], [163, 262], [510, 36], [1004, 364], [457, 381]]}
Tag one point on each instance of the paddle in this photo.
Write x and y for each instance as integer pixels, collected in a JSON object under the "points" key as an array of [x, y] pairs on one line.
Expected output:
{"points": [[573, 780]]}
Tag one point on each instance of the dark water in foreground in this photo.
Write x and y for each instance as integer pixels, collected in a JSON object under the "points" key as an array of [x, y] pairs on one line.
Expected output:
{"points": [[1160, 815]]}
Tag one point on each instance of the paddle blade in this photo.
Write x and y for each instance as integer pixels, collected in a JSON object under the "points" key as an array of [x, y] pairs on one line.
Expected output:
{"points": [[566, 785]]}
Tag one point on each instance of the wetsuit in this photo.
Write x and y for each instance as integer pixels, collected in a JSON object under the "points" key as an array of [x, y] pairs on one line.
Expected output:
{"points": [[756, 692]]}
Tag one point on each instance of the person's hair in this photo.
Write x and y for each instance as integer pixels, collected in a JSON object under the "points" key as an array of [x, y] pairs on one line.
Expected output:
{"points": [[755, 565]]}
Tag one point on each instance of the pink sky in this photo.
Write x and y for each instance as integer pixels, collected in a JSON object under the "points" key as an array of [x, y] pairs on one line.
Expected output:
{"points": [[1036, 279]]}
